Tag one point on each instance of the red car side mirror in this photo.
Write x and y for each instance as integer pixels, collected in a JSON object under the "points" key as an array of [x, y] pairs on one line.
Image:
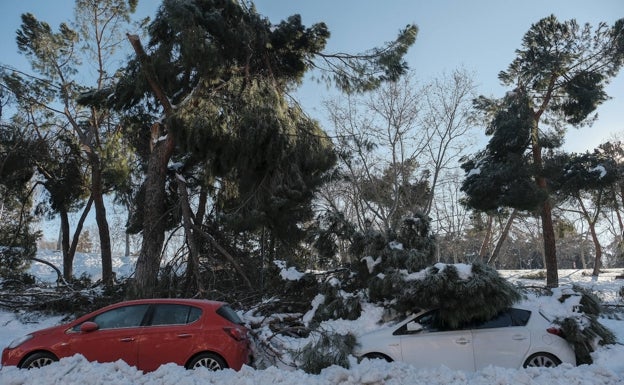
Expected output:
{"points": [[88, 327]]}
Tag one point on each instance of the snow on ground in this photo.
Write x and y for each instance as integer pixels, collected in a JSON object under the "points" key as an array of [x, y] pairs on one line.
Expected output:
{"points": [[608, 367], [88, 264]]}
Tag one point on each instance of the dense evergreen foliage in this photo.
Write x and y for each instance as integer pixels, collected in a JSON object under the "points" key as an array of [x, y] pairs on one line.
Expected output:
{"points": [[583, 330], [329, 349], [213, 85], [558, 79]]}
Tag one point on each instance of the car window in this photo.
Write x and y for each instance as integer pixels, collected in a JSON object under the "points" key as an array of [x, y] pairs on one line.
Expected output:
{"points": [[520, 317], [229, 314], [506, 318], [174, 314], [122, 317], [501, 320], [428, 323]]}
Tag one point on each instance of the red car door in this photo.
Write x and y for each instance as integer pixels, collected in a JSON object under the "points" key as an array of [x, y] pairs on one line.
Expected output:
{"points": [[116, 337], [170, 337]]}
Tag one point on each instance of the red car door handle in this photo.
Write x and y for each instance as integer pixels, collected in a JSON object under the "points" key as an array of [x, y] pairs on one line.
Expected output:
{"points": [[127, 339], [184, 335]]}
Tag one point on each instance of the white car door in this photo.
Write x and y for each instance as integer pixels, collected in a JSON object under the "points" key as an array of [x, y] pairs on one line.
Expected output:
{"points": [[502, 341], [422, 345]]}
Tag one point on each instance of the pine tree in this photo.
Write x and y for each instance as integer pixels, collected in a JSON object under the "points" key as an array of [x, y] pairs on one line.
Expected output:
{"points": [[214, 79], [17, 240], [558, 79], [581, 179], [48, 100]]}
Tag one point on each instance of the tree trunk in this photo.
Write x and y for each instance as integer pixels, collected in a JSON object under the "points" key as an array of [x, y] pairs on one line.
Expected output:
{"points": [[127, 253], [598, 261], [106, 253], [78, 230], [583, 261], [548, 230], [148, 262], [68, 260], [59, 240], [617, 210], [550, 248], [486, 239], [69, 250], [503, 236], [193, 280]]}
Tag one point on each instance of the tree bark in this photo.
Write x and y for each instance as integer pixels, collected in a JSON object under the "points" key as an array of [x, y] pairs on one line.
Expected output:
{"points": [[598, 261], [78, 230], [127, 253], [192, 272], [68, 260], [591, 221], [501, 240], [582, 253], [548, 230], [550, 248], [486, 239], [97, 194], [154, 226], [69, 249]]}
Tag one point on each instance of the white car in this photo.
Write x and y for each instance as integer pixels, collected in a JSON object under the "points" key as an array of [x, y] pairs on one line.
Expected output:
{"points": [[516, 338]]}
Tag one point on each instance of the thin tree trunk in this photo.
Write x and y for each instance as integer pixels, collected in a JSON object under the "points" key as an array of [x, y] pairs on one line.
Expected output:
{"points": [[227, 255], [598, 260], [592, 230], [59, 240], [79, 226], [617, 211], [487, 239], [59, 274], [583, 261], [192, 271], [127, 253], [503, 236], [69, 250], [68, 260]]}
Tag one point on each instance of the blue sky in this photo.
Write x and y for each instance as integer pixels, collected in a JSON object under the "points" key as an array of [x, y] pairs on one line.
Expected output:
{"points": [[479, 35]]}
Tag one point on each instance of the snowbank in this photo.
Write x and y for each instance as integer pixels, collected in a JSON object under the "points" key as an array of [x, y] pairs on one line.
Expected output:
{"points": [[608, 367], [76, 370]]}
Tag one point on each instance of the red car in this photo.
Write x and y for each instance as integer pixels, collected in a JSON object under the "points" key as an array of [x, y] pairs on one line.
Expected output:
{"points": [[144, 333]]}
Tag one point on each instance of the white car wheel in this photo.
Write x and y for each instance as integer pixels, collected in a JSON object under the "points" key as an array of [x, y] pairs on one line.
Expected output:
{"points": [[542, 360]]}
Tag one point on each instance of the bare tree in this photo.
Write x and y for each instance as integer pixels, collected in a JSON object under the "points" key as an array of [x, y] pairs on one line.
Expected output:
{"points": [[447, 124], [399, 147], [379, 142]]}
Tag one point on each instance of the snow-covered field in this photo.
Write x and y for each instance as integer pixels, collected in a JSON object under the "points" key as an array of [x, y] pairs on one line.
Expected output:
{"points": [[608, 367]]}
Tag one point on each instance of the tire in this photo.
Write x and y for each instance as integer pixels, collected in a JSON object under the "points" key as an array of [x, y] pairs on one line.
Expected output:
{"points": [[377, 356], [38, 360], [542, 360], [207, 360]]}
